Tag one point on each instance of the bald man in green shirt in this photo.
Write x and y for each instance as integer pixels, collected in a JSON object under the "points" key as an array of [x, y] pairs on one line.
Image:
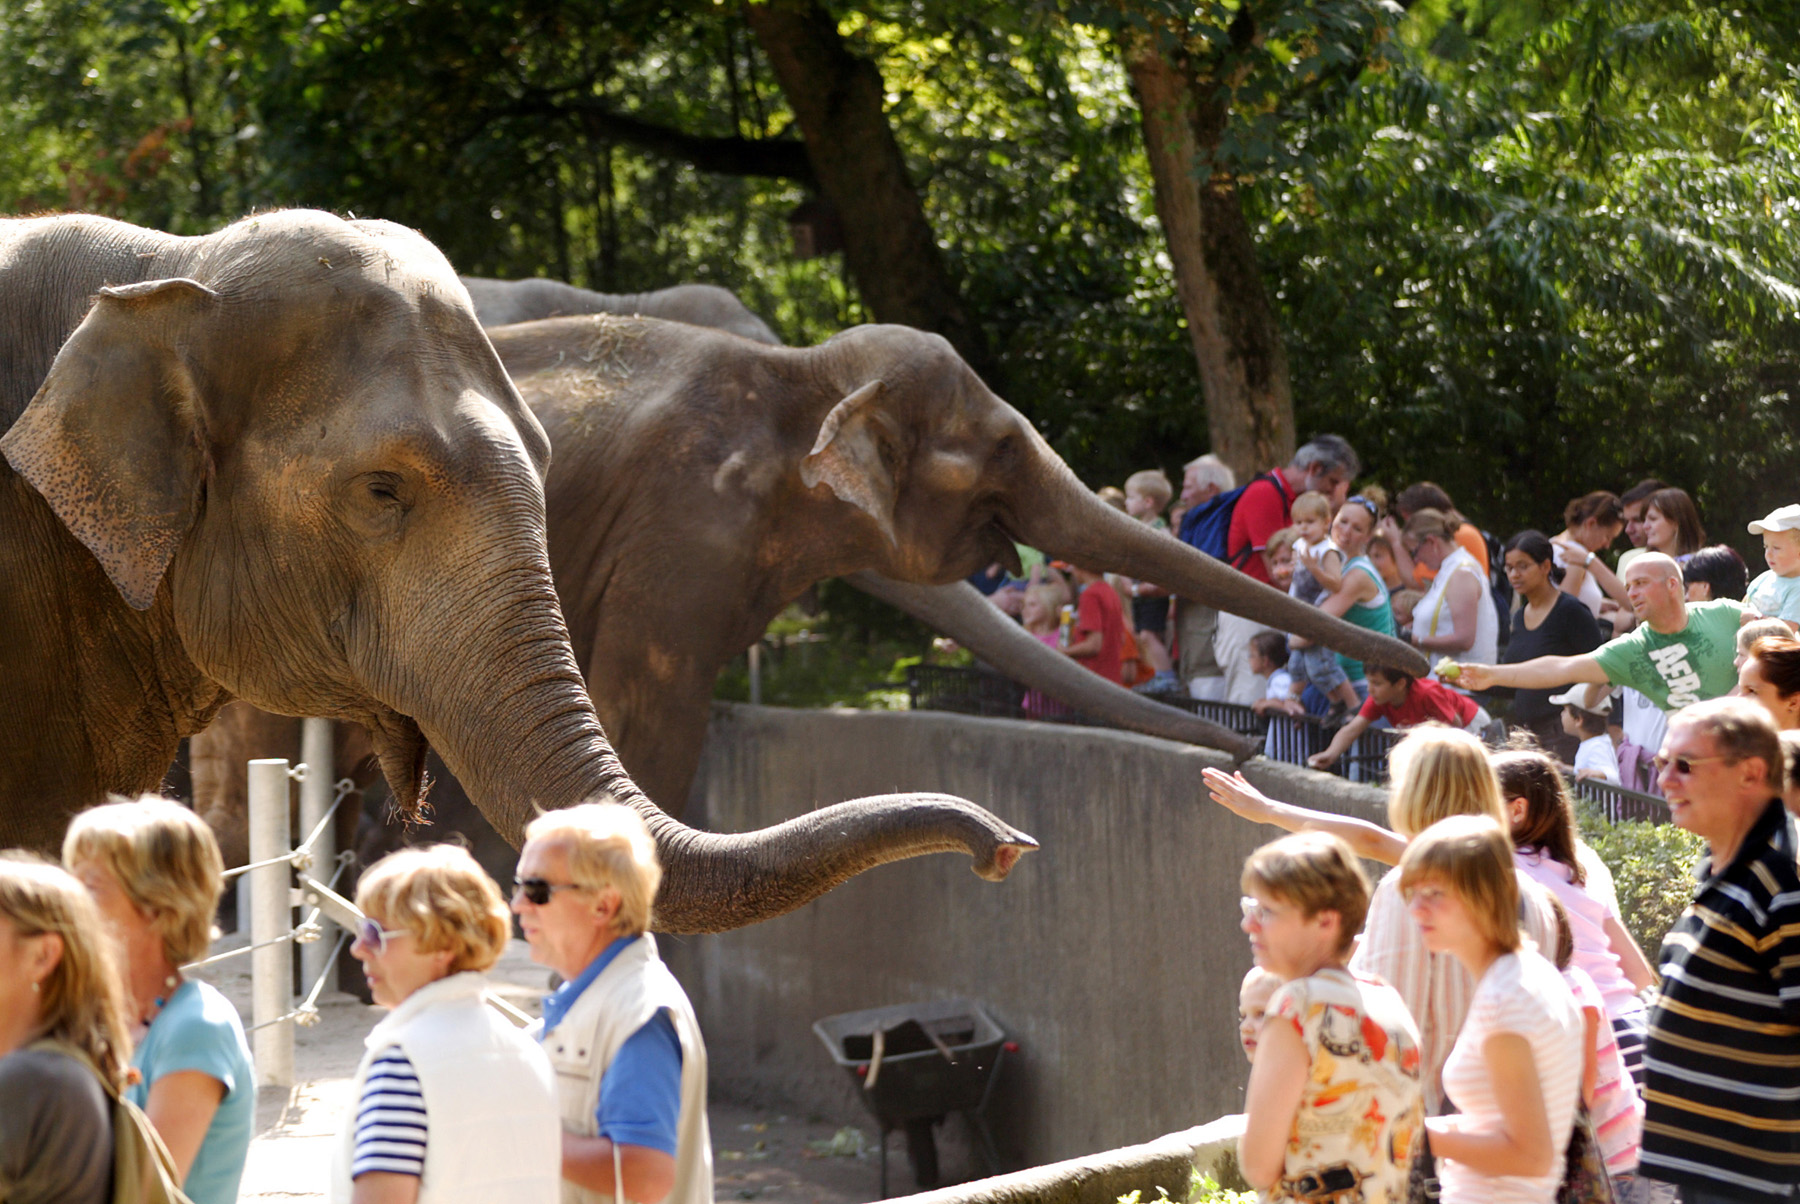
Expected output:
{"points": [[1681, 652]]}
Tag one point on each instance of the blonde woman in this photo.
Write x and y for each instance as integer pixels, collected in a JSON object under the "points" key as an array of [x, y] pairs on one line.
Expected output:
{"points": [[1514, 1074], [1437, 772], [61, 1025], [154, 870], [452, 1103]]}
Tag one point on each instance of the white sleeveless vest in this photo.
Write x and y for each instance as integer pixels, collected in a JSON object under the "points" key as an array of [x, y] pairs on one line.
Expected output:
{"points": [[634, 986], [1432, 614], [492, 1135]]}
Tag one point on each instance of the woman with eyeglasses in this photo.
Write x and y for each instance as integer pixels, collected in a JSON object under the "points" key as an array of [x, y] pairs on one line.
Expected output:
{"points": [[1456, 617], [154, 870], [1548, 622], [1361, 597], [1514, 1074], [452, 1101]]}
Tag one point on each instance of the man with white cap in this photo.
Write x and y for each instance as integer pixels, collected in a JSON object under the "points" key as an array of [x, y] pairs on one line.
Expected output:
{"points": [[1680, 653], [1777, 592]]}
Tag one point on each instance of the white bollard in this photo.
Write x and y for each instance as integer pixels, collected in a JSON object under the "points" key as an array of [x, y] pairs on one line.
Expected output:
{"points": [[271, 915], [316, 793]]}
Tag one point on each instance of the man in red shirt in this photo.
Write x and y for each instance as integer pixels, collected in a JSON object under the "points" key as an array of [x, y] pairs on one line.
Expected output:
{"points": [[1326, 464], [1404, 702], [1098, 640]]}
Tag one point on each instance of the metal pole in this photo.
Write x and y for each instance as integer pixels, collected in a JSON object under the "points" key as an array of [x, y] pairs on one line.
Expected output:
{"points": [[756, 674], [271, 915], [316, 793]]}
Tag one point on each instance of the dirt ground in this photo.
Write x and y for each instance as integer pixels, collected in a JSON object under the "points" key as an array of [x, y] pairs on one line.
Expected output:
{"points": [[758, 1153]]}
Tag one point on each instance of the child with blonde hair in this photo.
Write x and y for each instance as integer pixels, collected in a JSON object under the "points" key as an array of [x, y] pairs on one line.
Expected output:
{"points": [[1327, 1035], [1318, 572]]}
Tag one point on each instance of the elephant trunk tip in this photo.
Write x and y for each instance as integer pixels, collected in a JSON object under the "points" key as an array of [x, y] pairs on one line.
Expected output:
{"points": [[1003, 856]]}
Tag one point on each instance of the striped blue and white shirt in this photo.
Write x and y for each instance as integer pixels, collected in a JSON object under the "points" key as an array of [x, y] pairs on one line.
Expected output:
{"points": [[390, 1119]]}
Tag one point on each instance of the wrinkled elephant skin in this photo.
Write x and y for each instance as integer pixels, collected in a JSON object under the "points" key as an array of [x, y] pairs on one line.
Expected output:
{"points": [[283, 463], [505, 302]]}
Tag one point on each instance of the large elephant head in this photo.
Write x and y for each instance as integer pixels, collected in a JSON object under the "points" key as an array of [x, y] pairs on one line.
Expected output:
{"points": [[947, 477], [294, 452]]}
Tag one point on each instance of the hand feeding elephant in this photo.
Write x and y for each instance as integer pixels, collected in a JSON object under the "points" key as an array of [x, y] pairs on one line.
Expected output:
{"points": [[504, 302], [680, 521], [282, 462]]}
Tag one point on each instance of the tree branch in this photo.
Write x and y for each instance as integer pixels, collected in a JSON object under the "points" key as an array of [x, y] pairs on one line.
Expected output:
{"points": [[783, 159]]}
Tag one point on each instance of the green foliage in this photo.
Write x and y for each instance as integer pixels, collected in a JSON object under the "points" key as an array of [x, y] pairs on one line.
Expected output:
{"points": [[1524, 249], [1653, 869], [1202, 1189]]}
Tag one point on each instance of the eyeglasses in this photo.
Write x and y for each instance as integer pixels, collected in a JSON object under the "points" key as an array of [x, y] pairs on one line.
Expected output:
{"points": [[1427, 897], [1366, 504], [1682, 765], [537, 891], [1255, 911], [374, 937]]}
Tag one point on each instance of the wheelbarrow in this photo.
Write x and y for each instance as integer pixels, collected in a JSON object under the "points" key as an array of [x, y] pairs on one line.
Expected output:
{"points": [[914, 1064]]}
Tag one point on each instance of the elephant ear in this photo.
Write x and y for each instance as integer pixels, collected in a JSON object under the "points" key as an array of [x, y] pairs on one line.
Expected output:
{"points": [[112, 438], [851, 456]]}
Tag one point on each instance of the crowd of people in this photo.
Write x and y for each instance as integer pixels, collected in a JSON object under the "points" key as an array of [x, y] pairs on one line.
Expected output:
{"points": [[125, 1080], [1479, 1026], [1588, 657]]}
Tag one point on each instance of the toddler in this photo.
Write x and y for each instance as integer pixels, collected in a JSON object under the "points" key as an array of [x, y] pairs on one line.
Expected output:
{"points": [[1596, 758], [1318, 571], [1268, 658], [1777, 592], [1253, 1001], [1147, 495], [1041, 615]]}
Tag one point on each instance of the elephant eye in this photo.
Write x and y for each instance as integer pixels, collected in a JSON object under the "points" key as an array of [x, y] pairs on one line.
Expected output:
{"points": [[384, 488]]}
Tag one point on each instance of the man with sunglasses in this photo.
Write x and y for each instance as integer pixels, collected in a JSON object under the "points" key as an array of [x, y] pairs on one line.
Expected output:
{"points": [[621, 1034], [1722, 1080], [1681, 652]]}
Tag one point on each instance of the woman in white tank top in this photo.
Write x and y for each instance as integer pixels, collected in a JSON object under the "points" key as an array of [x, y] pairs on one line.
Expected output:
{"points": [[1456, 617]]}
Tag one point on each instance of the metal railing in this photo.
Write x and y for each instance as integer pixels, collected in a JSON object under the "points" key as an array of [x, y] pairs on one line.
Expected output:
{"points": [[1291, 738]]}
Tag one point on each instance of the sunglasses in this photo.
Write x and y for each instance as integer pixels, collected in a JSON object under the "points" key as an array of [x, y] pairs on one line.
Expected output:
{"points": [[1682, 765], [1365, 503], [373, 936], [537, 891]]}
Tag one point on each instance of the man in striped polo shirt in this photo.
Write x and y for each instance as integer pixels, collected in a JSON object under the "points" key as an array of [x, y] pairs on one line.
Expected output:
{"points": [[1722, 1063]]}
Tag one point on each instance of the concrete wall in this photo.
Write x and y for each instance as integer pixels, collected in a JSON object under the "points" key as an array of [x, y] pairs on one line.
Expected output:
{"points": [[1112, 955]]}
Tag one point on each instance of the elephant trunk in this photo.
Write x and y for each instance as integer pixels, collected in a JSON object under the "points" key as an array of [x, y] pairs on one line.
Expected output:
{"points": [[964, 615], [1056, 513], [539, 744]]}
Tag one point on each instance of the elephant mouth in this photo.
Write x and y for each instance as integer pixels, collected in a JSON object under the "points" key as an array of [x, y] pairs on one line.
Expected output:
{"points": [[401, 747]]}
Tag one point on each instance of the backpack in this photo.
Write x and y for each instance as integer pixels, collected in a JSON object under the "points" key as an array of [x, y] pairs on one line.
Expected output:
{"points": [[1499, 588], [1207, 527], [143, 1170]]}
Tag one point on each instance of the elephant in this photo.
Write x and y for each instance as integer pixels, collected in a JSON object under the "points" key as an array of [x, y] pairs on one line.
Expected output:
{"points": [[507, 302], [701, 482], [283, 463]]}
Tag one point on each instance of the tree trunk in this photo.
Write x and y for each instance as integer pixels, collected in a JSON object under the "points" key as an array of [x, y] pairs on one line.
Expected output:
{"points": [[1237, 343], [889, 246]]}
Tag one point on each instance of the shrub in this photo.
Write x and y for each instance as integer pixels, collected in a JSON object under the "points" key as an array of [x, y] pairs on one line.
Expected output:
{"points": [[1653, 868]]}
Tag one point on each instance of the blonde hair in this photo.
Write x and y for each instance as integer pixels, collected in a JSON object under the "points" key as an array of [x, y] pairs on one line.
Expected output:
{"points": [[82, 1000], [1153, 483], [1471, 856], [1426, 523], [165, 860], [1315, 871], [608, 846], [1438, 772], [1112, 495], [1311, 504], [442, 896]]}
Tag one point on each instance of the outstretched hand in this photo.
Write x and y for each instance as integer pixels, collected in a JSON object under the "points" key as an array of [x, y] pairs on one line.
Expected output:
{"points": [[1321, 760], [1473, 678], [1236, 795]]}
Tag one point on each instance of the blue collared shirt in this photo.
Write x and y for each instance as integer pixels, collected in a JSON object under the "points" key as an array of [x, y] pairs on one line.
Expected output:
{"points": [[640, 1090]]}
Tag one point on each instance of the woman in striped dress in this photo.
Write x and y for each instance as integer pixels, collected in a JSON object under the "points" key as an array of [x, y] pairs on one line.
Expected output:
{"points": [[453, 1102]]}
